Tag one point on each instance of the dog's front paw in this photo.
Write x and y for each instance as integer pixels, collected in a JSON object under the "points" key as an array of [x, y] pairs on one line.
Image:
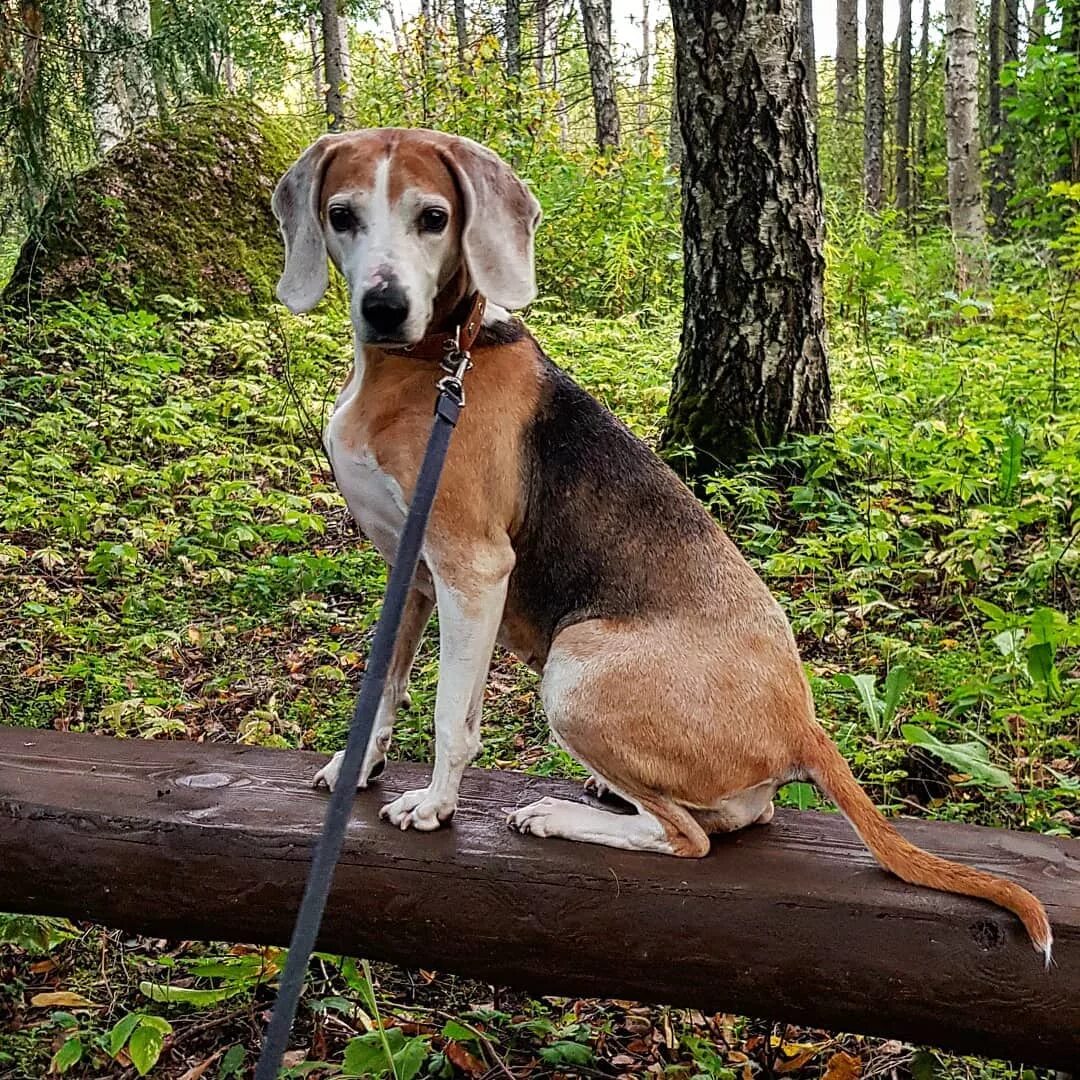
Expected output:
{"points": [[374, 763], [425, 810]]}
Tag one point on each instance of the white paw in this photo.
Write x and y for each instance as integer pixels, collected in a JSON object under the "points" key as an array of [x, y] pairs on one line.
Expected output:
{"points": [[374, 763], [538, 818], [425, 810]]}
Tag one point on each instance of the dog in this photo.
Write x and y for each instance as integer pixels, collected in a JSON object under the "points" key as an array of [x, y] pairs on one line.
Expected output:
{"points": [[667, 667]]}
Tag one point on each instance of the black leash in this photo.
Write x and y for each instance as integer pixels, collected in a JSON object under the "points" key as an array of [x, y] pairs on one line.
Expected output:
{"points": [[448, 406]]}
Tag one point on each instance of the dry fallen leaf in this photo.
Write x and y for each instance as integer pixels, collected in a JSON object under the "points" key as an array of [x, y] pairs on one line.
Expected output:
{"points": [[293, 1058], [198, 1070], [843, 1067], [61, 999], [465, 1061]]}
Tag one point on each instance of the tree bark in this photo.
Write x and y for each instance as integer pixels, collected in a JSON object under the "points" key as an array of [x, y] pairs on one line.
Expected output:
{"points": [[874, 117], [316, 57], [847, 59], [903, 112], [121, 91], [924, 90], [808, 49], [541, 38], [595, 15], [643, 70], [562, 110], [512, 25], [675, 146], [1037, 26], [1004, 49], [334, 63], [962, 143], [752, 368]]}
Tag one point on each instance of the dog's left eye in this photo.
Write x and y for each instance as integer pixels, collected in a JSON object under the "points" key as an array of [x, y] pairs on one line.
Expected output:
{"points": [[433, 220]]}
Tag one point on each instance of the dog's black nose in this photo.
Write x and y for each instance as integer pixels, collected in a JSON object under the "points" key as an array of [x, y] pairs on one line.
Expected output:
{"points": [[385, 307]]}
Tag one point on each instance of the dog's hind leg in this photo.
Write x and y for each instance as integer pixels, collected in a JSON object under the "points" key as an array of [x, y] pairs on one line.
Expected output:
{"points": [[662, 827]]}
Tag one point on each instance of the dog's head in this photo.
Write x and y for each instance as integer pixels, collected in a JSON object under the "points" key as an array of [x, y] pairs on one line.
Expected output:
{"points": [[402, 213]]}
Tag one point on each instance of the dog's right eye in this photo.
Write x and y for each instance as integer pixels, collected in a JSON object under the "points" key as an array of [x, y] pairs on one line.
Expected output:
{"points": [[341, 218]]}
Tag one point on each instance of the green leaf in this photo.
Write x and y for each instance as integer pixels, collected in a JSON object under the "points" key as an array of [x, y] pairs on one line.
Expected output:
{"points": [[864, 686], [970, 757], [459, 1033], [182, 995], [232, 1062], [1012, 461], [121, 1032], [364, 1056], [897, 681], [69, 1054], [144, 1049], [410, 1058], [566, 1053]]}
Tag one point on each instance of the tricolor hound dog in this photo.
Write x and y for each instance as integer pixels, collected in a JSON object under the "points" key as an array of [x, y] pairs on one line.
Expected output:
{"points": [[667, 667]]}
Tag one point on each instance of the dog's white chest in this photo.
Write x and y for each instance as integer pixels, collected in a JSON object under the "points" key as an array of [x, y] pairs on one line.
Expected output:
{"points": [[374, 498]]}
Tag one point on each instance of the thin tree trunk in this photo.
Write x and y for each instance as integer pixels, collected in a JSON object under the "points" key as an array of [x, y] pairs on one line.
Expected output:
{"points": [[460, 32], [1004, 50], [962, 141], [316, 57], [675, 144], [541, 39], [334, 64], [903, 112], [808, 50], [561, 108], [33, 27], [924, 90], [512, 15], [1037, 27], [643, 70], [595, 17], [752, 368], [847, 59], [874, 119]]}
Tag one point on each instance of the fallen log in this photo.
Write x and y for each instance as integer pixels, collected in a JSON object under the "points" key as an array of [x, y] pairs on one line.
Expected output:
{"points": [[793, 921]]}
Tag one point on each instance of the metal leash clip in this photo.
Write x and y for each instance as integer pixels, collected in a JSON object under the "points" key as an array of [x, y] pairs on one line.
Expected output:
{"points": [[455, 362]]}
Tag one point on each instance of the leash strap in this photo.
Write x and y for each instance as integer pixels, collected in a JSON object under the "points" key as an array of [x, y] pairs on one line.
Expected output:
{"points": [[448, 406]]}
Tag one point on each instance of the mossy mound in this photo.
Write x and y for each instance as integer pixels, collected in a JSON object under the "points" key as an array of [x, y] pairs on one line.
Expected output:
{"points": [[181, 208]]}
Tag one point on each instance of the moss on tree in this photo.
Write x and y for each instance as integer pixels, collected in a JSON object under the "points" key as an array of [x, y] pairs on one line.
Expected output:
{"points": [[181, 208]]}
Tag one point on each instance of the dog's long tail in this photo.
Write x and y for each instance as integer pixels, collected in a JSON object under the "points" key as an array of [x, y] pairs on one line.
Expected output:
{"points": [[828, 769]]}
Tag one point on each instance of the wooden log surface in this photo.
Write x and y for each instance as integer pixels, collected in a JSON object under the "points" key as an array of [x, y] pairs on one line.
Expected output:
{"points": [[792, 922]]}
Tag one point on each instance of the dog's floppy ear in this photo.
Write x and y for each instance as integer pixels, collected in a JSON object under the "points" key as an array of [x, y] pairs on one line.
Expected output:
{"points": [[296, 206], [501, 216]]}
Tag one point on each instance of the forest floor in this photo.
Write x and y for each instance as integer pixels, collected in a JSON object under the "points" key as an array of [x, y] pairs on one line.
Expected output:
{"points": [[176, 563]]}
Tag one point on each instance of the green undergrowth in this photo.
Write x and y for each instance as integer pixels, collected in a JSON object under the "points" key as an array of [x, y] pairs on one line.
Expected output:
{"points": [[175, 562]]}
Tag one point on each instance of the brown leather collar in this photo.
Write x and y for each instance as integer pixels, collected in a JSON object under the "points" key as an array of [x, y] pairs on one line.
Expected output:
{"points": [[435, 345]]}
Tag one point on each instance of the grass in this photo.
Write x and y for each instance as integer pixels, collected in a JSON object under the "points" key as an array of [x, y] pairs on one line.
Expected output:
{"points": [[176, 563]]}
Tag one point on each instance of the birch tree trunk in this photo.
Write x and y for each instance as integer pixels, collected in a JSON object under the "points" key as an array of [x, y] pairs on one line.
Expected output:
{"points": [[874, 117], [335, 63], [597, 25], [962, 144], [316, 57], [808, 50], [847, 59], [752, 368], [643, 70], [122, 90], [903, 112]]}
